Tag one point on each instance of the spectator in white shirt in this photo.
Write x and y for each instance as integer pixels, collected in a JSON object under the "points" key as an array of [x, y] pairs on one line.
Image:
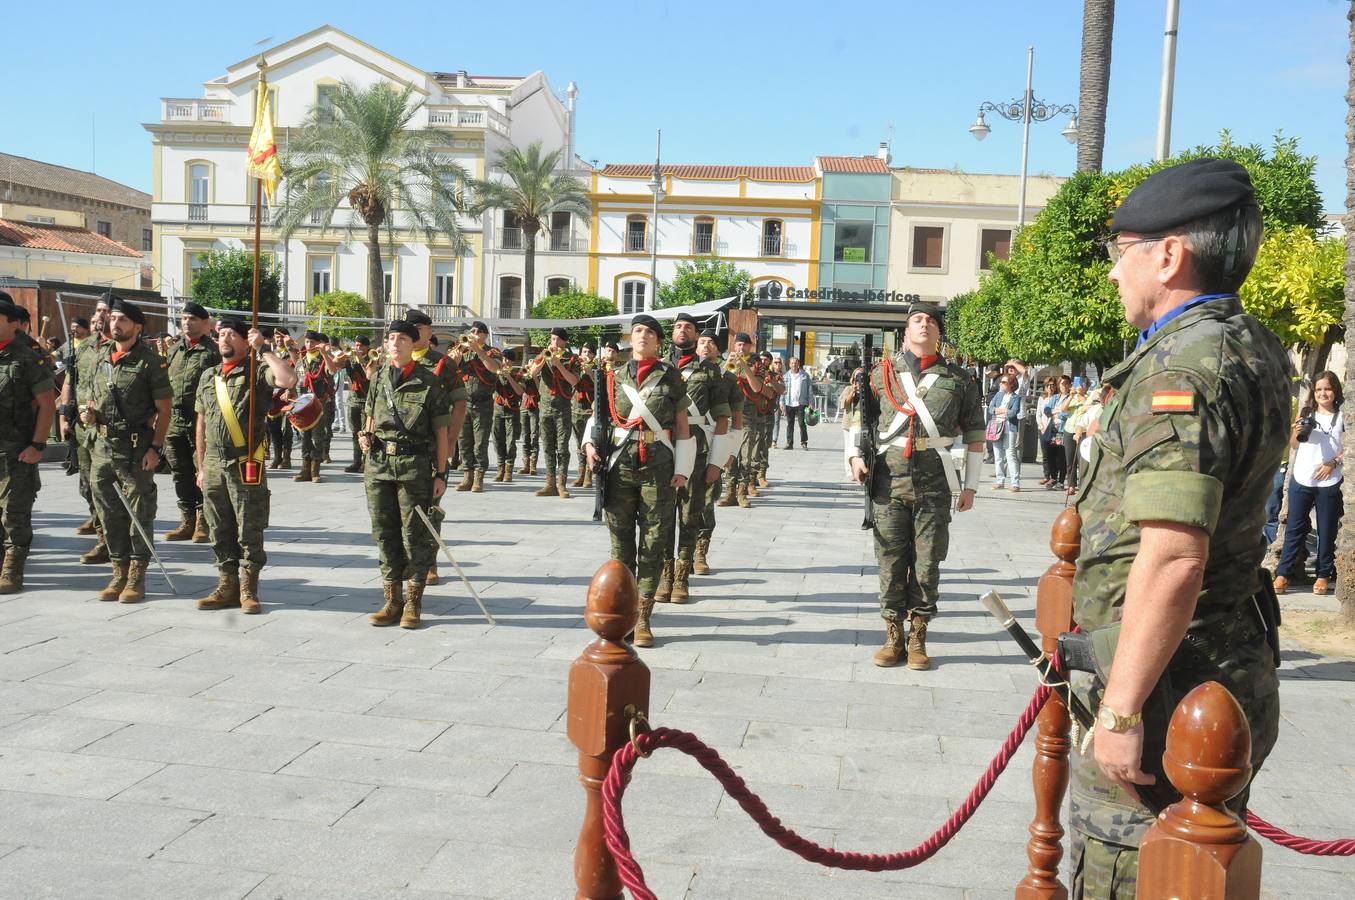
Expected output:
{"points": [[1315, 482], [797, 398]]}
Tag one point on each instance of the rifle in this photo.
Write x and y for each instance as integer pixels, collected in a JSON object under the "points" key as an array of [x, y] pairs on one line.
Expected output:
{"points": [[602, 441], [869, 410]]}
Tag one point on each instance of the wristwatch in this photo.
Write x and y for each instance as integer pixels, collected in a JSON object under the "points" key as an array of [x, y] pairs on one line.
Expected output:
{"points": [[1110, 720], [38, 445], [442, 475], [159, 449]]}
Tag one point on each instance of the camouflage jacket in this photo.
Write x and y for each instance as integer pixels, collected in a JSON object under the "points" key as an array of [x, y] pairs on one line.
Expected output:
{"points": [[663, 392], [732, 395], [24, 374], [478, 380], [552, 387], [124, 393], [187, 362], [1194, 433], [447, 374], [410, 411], [705, 396], [220, 448]]}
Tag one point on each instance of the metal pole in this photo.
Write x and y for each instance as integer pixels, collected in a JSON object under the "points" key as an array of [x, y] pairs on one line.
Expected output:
{"points": [[1164, 108], [654, 232], [1025, 136]]}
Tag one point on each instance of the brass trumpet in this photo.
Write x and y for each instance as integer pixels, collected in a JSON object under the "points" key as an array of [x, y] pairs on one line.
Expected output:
{"points": [[737, 362], [375, 354]]}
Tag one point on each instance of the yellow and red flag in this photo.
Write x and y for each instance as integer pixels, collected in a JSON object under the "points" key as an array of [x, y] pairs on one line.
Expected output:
{"points": [[263, 148]]}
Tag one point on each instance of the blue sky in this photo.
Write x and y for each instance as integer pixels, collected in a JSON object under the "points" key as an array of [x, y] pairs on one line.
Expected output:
{"points": [[741, 82]]}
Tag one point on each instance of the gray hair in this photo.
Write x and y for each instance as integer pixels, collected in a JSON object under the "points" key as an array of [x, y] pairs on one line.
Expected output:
{"points": [[1223, 247]]}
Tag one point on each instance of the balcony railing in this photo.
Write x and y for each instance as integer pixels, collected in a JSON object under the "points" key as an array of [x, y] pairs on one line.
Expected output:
{"points": [[194, 110], [637, 242], [467, 117], [197, 212], [264, 216], [773, 245], [557, 240], [703, 244]]}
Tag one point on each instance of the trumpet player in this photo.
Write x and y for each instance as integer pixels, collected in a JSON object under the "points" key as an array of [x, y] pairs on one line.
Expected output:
{"points": [[582, 408], [507, 408], [556, 376], [742, 470], [189, 356], [724, 453], [357, 365], [479, 372]]}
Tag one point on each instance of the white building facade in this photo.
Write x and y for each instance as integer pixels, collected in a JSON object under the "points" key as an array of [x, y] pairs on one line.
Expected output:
{"points": [[203, 199]]}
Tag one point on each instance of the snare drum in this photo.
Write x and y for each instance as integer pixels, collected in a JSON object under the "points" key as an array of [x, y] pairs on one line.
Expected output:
{"points": [[278, 405], [305, 413]]}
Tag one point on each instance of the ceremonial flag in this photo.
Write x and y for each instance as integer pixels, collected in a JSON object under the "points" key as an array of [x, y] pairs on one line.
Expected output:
{"points": [[263, 149]]}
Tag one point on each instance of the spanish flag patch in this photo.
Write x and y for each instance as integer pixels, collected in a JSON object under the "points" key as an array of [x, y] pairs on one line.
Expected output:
{"points": [[1173, 401]]}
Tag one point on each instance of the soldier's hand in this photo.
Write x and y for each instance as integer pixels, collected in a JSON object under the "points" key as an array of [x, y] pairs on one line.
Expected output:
{"points": [[679, 482], [150, 461], [439, 487], [712, 473], [966, 501], [859, 470], [255, 340], [197, 479], [1119, 755], [30, 455], [364, 441], [591, 454]]}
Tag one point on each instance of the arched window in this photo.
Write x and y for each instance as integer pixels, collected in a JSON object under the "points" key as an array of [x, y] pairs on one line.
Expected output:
{"points": [[637, 234], [557, 285], [633, 292], [772, 231], [510, 297], [703, 236], [199, 189]]}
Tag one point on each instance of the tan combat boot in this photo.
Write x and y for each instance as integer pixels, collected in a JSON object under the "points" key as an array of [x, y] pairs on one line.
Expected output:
{"points": [[116, 583], [315, 471], [134, 591], [286, 459], [531, 469], [762, 478], [498, 475], [467, 480], [413, 606], [680, 576], [741, 497], [750, 487], [728, 498], [893, 650], [305, 472], [508, 473], [525, 467], [432, 577], [699, 564], [86, 527], [249, 593], [664, 592], [917, 644], [643, 636], [562, 489], [478, 483], [188, 521], [200, 533], [548, 489], [395, 605], [579, 482], [227, 592], [12, 572], [97, 554]]}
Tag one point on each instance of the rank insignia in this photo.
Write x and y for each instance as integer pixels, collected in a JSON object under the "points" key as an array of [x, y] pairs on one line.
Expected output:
{"points": [[1173, 401]]}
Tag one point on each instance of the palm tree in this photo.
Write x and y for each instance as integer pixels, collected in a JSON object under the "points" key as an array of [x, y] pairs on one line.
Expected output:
{"points": [[1345, 544], [1098, 26], [530, 191], [359, 147]]}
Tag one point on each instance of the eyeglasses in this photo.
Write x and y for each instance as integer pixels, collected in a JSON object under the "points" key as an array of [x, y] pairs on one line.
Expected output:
{"points": [[1115, 249]]}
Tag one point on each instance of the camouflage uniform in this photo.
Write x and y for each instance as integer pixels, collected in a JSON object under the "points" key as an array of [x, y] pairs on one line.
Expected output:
{"points": [[475, 431], [581, 410], [406, 415], [448, 377], [757, 424], [124, 395], [187, 361], [733, 398], [507, 409], [357, 405], [314, 378], [531, 427], [1194, 434], [237, 513], [705, 403], [911, 492], [24, 375], [556, 395], [85, 357]]}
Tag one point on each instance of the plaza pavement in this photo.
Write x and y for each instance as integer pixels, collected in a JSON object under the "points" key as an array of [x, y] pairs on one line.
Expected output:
{"points": [[154, 750]]}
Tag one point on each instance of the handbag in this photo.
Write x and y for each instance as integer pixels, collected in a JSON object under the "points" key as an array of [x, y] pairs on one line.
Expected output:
{"points": [[996, 426], [811, 417]]}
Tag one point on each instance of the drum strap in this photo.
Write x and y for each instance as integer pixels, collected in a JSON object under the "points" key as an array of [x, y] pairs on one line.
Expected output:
{"points": [[223, 403]]}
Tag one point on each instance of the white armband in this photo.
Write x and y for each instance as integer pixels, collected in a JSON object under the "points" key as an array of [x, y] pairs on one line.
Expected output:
{"points": [[851, 447], [973, 468], [684, 457], [588, 433], [720, 450]]}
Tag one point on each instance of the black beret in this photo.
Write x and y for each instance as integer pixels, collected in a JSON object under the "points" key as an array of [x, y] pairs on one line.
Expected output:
{"points": [[1184, 193], [648, 321], [128, 309], [743, 336], [709, 332], [232, 323], [613, 345], [417, 317], [8, 309], [106, 298], [432, 340], [560, 333], [6, 298], [685, 317], [510, 354], [362, 339], [479, 326], [766, 354], [80, 322], [24, 314], [314, 336], [406, 328], [196, 310]]}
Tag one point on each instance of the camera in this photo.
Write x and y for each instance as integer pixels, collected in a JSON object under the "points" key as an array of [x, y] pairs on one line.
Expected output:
{"points": [[1307, 422]]}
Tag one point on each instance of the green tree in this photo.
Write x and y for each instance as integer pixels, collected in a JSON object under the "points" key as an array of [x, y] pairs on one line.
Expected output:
{"points": [[702, 279], [974, 327], [322, 309], [359, 147], [574, 304], [530, 191], [226, 281]]}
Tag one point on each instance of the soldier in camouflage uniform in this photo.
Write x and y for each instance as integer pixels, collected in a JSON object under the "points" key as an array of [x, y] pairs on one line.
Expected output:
{"points": [[480, 370], [757, 417], [555, 380], [358, 370], [926, 402], [507, 409], [530, 420], [774, 386], [129, 410], [189, 356], [1169, 585], [74, 393], [581, 409], [748, 385], [405, 439], [316, 370], [654, 456], [446, 369], [236, 512], [725, 453], [27, 408], [708, 419]]}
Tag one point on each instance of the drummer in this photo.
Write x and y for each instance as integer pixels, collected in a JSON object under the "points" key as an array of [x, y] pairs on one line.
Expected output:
{"points": [[279, 429], [316, 370]]}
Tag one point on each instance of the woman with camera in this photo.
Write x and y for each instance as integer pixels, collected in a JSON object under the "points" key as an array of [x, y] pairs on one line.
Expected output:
{"points": [[1315, 482]]}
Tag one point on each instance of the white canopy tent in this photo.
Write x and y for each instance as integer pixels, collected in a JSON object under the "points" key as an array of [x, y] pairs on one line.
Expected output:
{"points": [[706, 310]]}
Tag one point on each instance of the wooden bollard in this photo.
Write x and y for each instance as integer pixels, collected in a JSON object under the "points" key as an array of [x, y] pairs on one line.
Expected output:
{"points": [[1049, 771], [1198, 848], [607, 678]]}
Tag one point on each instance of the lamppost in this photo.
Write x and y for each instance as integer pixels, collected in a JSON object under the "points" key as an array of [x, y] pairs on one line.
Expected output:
{"points": [[655, 185], [1025, 110]]}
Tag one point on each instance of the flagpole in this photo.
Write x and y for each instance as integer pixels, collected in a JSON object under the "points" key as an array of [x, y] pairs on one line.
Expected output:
{"points": [[252, 473]]}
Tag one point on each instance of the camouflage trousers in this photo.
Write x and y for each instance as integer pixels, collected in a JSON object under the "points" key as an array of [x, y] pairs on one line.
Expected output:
{"points": [[327, 422], [237, 514], [767, 428], [912, 537], [530, 420], [474, 439], [1107, 824], [507, 424], [394, 487], [713, 491], [639, 513], [690, 508], [751, 451], [19, 486], [578, 425], [315, 440], [357, 417], [555, 432], [280, 434], [180, 453], [118, 463], [84, 446]]}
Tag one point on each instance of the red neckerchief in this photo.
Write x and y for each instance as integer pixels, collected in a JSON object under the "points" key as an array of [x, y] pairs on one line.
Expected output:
{"points": [[480, 371], [192, 342], [4, 344], [118, 354], [642, 368], [406, 370], [926, 362], [229, 366], [685, 359]]}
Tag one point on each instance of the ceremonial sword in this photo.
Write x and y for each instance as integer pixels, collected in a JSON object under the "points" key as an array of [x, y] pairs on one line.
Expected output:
{"points": [[437, 537], [141, 531], [992, 601]]}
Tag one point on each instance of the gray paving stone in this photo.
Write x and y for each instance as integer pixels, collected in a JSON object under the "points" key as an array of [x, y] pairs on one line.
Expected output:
{"points": [[232, 662], [490, 742], [539, 712], [33, 697], [231, 792], [157, 709], [69, 774], [425, 681], [290, 887], [400, 768], [64, 733], [73, 874], [284, 691], [198, 747], [346, 728], [111, 828], [140, 679]]}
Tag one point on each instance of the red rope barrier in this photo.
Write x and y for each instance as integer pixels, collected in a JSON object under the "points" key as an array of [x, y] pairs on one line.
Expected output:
{"points": [[633, 877], [1306, 846]]}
